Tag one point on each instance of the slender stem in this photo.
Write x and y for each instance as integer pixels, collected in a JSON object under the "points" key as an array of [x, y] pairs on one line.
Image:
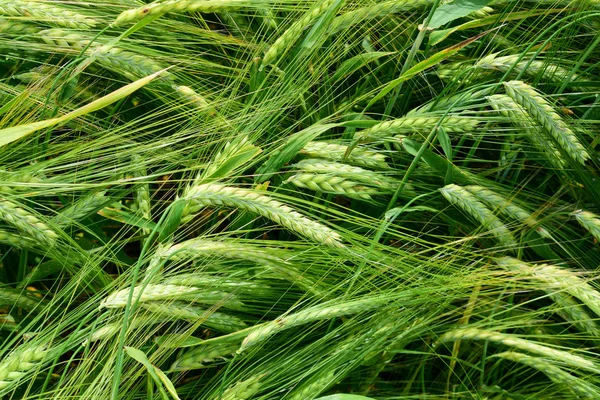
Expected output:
{"points": [[129, 307], [409, 59]]}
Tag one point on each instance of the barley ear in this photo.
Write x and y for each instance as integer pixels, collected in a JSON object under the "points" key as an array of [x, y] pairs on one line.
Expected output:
{"points": [[463, 199], [576, 385], [547, 117], [213, 194], [589, 221]]}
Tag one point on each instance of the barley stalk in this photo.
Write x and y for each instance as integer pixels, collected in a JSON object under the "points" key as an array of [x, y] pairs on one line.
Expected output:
{"points": [[573, 360], [202, 355], [50, 13], [313, 314], [557, 279], [507, 207], [18, 364], [336, 152], [211, 319], [332, 184], [314, 388], [182, 6], [589, 221], [545, 115], [155, 292], [294, 32], [576, 385], [219, 195], [27, 222], [468, 202], [421, 123], [519, 116]]}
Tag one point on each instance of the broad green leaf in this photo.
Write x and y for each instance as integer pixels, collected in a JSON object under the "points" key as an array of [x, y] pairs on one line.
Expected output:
{"points": [[436, 37], [355, 63], [457, 9], [8, 135], [159, 377]]}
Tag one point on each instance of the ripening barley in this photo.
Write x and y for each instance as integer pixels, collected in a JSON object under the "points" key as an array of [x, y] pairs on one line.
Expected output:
{"points": [[199, 247], [521, 118], [19, 364], [589, 221], [314, 388], [572, 311], [80, 209], [507, 207], [26, 222], [336, 152], [242, 390], [332, 184], [294, 32], [46, 12], [456, 101], [313, 314], [11, 27], [110, 330], [557, 279], [214, 194], [18, 299], [374, 11], [182, 6], [182, 311], [111, 57], [421, 123], [358, 174], [533, 68], [463, 199], [171, 292], [545, 115], [573, 360], [202, 355], [578, 386], [16, 240]]}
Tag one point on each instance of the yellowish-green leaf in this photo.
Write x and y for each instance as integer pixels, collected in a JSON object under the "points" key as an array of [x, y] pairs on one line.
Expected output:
{"points": [[159, 377], [8, 135]]}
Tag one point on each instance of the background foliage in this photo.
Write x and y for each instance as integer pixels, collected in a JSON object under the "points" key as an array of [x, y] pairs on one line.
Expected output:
{"points": [[296, 199]]}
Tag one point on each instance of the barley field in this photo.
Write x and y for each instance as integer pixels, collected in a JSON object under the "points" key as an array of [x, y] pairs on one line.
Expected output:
{"points": [[299, 199]]}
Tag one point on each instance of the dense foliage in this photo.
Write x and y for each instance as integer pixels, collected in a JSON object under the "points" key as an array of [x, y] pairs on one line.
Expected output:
{"points": [[256, 199]]}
